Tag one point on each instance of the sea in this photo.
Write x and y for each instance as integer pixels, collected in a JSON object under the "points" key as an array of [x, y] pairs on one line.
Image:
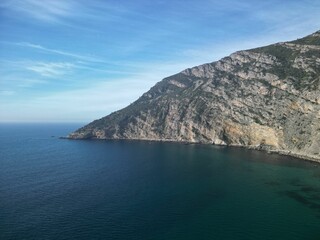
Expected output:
{"points": [[52, 188]]}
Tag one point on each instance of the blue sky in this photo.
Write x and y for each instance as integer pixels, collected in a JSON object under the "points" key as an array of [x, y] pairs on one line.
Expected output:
{"points": [[76, 61]]}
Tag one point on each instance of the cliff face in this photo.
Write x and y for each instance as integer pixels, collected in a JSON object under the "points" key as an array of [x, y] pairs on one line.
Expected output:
{"points": [[267, 97]]}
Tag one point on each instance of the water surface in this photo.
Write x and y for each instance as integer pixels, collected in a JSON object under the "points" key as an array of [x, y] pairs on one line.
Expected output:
{"points": [[62, 189]]}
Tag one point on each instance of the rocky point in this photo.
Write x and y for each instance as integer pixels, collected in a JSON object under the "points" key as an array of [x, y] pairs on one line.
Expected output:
{"points": [[264, 98]]}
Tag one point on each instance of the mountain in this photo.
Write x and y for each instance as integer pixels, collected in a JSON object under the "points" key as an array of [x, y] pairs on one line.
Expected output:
{"points": [[264, 98]]}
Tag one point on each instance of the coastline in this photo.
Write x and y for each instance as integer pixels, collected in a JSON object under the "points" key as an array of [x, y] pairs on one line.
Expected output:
{"points": [[308, 158]]}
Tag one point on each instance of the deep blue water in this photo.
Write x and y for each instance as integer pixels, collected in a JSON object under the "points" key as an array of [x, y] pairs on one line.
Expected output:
{"points": [[52, 188]]}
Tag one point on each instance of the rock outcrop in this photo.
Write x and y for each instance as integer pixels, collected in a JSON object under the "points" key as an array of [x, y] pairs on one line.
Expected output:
{"points": [[265, 98]]}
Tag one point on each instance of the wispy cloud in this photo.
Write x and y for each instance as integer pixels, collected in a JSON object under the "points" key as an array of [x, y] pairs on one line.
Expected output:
{"points": [[51, 69], [79, 60], [59, 52], [92, 99], [49, 11], [20, 72], [87, 103], [29, 82], [7, 93]]}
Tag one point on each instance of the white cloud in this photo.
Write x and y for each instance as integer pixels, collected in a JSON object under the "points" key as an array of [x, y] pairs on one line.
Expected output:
{"points": [[95, 99], [29, 82], [49, 11], [59, 52], [7, 93], [50, 69], [84, 104]]}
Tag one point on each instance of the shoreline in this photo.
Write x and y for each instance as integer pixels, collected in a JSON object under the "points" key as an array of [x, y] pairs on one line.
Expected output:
{"points": [[250, 147], [307, 158]]}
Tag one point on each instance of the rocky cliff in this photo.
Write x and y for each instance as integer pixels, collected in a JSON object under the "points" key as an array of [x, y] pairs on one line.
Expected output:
{"points": [[266, 98]]}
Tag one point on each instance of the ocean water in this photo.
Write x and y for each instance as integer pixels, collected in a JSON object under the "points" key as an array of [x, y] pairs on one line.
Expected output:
{"points": [[53, 188]]}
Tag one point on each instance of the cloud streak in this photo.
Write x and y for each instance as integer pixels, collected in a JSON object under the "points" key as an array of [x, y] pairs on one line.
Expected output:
{"points": [[48, 11], [59, 52], [51, 69], [77, 59], [88, 103], [7, 93]]}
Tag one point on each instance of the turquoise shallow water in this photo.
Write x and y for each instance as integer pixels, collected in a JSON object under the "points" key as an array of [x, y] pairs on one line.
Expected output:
{"points": [[61, 189]]}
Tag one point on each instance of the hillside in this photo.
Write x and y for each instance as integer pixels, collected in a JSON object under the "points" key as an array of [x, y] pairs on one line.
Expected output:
{"points": [[265, 98]]}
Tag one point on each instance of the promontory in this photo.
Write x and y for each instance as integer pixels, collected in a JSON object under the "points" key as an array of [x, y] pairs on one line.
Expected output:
{"points": [[264, 98]]}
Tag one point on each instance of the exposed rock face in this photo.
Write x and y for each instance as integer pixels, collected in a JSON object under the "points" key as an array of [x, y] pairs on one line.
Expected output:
{"points": [[266, 97]]}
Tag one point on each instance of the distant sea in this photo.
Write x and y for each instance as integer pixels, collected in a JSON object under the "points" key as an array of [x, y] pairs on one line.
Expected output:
{"points": [[53, 188]]}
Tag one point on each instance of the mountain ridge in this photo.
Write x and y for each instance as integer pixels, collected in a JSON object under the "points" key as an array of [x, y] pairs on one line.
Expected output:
{"points": [[264, 98]]}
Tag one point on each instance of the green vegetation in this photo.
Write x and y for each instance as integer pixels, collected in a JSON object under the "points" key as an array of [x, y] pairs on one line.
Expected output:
{"points": [[301, 79], [309, 40], [312, 53], [282, 53]]}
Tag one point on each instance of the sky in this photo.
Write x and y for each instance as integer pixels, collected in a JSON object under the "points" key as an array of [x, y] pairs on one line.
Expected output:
{"points": [[79, 60]]}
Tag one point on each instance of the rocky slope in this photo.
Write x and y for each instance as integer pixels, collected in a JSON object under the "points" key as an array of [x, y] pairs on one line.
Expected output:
{"points": [[266, 98]]}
